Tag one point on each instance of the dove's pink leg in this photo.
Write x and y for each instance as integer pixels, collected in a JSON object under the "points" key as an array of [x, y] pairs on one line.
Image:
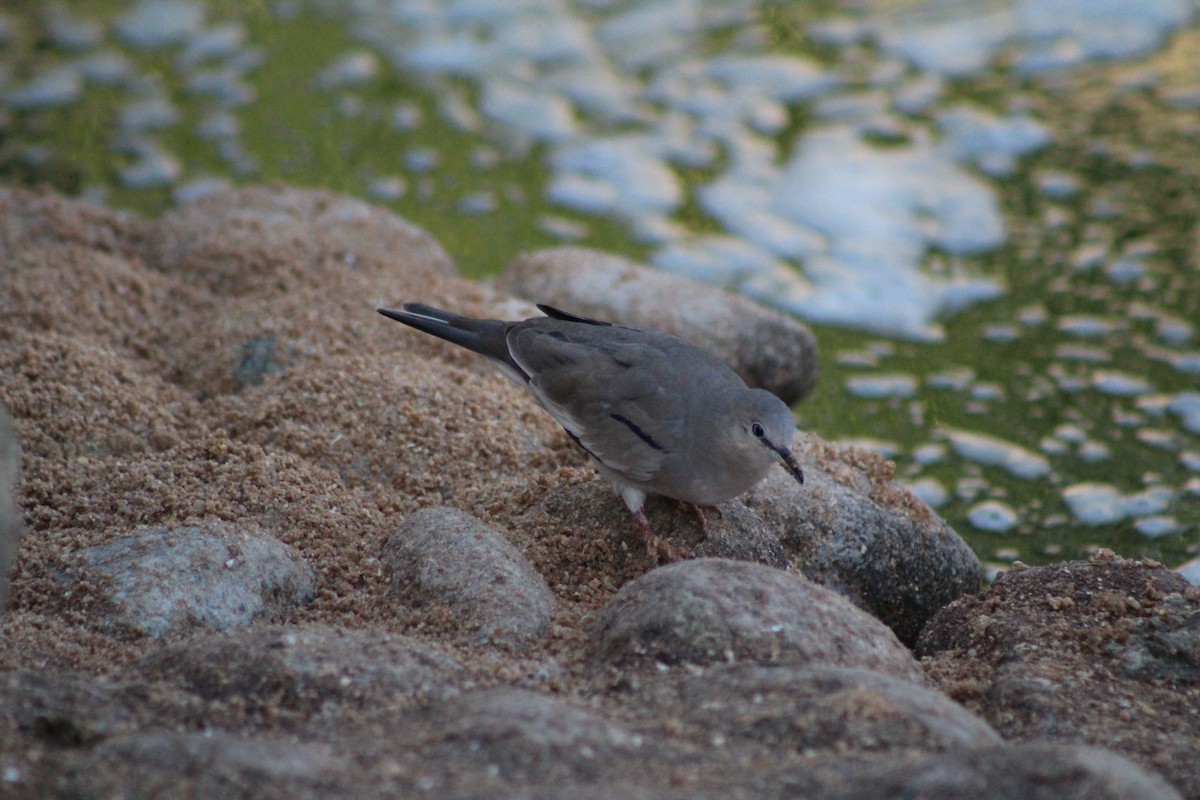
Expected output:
{"points": [[659, 550], [643, 523]]}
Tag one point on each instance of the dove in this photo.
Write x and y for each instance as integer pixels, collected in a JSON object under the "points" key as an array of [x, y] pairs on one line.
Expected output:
{"points": [[656, 415]]}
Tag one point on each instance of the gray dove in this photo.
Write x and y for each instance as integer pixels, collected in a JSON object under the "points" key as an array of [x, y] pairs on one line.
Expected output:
{"points": [[656, 414]]}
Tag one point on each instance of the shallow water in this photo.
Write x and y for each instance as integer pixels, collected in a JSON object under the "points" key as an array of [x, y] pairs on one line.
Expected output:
{"points": [[987, 210]]}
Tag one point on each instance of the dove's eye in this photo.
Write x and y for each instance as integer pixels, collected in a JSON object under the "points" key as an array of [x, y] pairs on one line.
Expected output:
{"points": [[758, 430]]}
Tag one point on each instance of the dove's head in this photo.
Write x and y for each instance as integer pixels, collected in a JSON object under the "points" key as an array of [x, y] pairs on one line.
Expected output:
{"points": [[760, 432]]}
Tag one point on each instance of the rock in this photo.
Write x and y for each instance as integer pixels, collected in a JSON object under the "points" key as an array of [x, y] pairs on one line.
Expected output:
{"points": [[1022, 772], [768, 349], [167, 581], [267, 241], [814, 708], [852, 529], [306, 670], [86, 400], [519, 735], [208, 764], [397, 430], [1103, 652], [446, 556], [32, 218], [713, 610], [68, 709], [10, 515], [593, 510], [108, 298]]}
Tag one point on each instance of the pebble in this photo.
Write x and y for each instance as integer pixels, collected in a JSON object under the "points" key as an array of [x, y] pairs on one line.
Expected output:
{"points": [[162, 581], [1039, 770], [207, 764], [816, 708], [306, 669], [708, 611], [291, 231], [446, 556], [1039, 651], [528, 736], [884, 549]]}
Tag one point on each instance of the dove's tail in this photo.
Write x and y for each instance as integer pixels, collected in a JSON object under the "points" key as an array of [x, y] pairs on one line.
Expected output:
{"points": [[483, 336]]}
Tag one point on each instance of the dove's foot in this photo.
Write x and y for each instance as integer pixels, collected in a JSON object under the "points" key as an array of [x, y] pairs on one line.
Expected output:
{"points": [[701, 515], [659, 550]]}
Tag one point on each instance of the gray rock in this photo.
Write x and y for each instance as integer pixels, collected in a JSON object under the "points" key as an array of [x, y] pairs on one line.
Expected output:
{"points": [[446, 556], [68, 710], [1021, 772], [1103, 651], [852, 529], [168, 581], [269, 240], [767, 348], [10, 515], [519, 735], [260, 358], [714, 610], [209, 764], [814, 708], [29, 217], [620, 789], [307, 670]]}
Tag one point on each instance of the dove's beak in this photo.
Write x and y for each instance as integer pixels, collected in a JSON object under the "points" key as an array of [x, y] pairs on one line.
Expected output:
{"points": [[789, 462]]}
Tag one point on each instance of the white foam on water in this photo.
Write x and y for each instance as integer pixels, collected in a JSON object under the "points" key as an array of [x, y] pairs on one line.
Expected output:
{"points": [[1191, 571], [543, 115], [70, 32], [1147, 502], [929, 491], [882, 386], [160, 23], [350, 69], [1104, 504], [53, 88], [1154, 527], [880, 447], [1120, 384], [1091, 452], [1095, 503], [957, 38], [221, 41], [1187, 406], [992, 143], [153, 166], [992, 516], [993, 451], [1086, 326]]}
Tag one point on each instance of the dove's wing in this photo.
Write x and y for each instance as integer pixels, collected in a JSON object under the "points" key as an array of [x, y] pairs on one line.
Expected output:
{"points": [[618, 391]]}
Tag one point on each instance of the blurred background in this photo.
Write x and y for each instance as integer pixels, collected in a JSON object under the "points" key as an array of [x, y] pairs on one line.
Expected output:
{"points": [[987, 210]]}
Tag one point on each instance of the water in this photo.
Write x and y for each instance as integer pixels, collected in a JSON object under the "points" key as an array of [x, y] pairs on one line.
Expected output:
{"points": [[985, 208]]}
